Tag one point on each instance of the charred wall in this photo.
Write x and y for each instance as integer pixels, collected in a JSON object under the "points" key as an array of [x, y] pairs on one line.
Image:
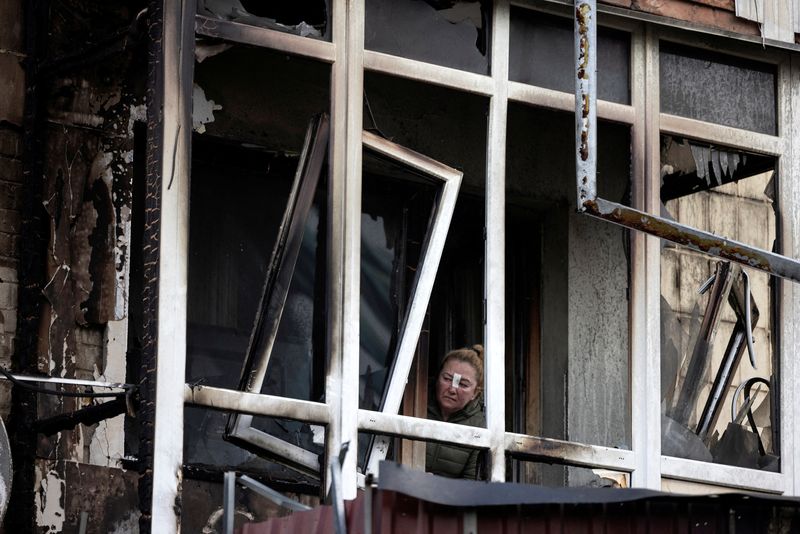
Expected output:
{"points": [[66, 153]]}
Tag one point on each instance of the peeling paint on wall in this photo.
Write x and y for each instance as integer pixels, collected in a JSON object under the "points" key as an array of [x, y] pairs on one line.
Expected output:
{"points": [[202, 109], [50, 503]]}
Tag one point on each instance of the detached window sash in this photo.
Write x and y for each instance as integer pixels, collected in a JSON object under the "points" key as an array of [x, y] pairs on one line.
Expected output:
{"points": [[446, 181]]}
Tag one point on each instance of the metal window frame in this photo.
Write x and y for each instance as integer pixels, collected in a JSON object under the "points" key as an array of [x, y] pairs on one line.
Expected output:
{"points": [[273, 300], [240, 429], [781, 147], [349, 61], [654, 124]]}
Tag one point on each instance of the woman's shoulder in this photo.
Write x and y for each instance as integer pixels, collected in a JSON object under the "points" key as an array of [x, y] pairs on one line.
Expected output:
{"points": [[472, 414]]}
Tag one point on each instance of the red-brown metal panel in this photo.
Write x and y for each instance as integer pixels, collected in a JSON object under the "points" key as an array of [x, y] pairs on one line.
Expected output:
{"points": [[396, 513]]}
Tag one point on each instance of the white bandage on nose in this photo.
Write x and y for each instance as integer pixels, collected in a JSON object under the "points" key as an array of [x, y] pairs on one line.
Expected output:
{"points": [[456, 380]]}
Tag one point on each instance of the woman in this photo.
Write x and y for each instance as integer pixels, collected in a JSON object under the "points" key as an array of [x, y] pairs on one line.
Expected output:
{"points": [[457, 399]]}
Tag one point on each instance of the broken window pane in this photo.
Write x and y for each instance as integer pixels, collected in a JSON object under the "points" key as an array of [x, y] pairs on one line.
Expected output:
{"points": [[427, 119], [397, 209], [542, 54], [451, 33], [268, 106], [307, 18], [717, 386], [250, 128], [718, 88], [567, 283], [228, 254]]}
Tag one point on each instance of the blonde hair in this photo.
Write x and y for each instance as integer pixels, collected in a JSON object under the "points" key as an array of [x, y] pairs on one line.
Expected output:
{"points": [[471, 355]]}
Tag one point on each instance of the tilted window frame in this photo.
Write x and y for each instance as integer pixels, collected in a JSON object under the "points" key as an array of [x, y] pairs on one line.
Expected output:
{"points": [[281, 268]]}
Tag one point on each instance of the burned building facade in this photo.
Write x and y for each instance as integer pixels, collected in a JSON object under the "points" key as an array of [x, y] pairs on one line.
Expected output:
{"points": [[240, 237]]}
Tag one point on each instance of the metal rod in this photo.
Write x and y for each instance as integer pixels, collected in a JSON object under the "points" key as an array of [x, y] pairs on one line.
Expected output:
{"points": [[256, 404], [336, 493], [236, 32], [228, 494], [695, 239], [268, 493], [586, 100], [748, 331], [69, 381], [701, 353], [423, 429], [368, 497]]}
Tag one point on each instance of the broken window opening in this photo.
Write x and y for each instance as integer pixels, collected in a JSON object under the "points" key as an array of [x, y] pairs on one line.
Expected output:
{"points": [[567, 283], [702, 352], [542, 50], [394, 216], [451, 33], [689, 166], [306, 18], [229, 252]]}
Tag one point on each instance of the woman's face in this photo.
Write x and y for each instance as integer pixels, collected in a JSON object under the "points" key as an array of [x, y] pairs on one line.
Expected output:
{"points": [[455, 387]]}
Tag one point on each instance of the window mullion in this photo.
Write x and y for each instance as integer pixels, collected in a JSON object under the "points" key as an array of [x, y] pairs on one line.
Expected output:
{"points": [[646, 326], [173, 234], [494, 285], [789, 298]]}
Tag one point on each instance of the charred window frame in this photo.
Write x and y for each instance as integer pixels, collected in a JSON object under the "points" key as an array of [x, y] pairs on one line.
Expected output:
{"points": [[341, 415], [501, 90], [446, 181], [654, 123]]}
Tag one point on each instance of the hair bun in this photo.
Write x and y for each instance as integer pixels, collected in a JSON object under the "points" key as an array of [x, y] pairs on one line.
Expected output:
{"points": [[478, 350]]}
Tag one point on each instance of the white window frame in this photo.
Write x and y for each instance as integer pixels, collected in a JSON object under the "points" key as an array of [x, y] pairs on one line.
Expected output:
{"points": [[341, 415]]}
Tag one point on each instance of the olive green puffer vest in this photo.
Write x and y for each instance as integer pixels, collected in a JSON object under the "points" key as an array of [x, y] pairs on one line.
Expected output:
{"points": [[452, 460]]}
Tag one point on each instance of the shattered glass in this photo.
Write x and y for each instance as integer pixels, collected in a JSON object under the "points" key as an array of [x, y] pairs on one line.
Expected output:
{"points": [[718, 88], [306, 18], [450, 33], [716, 383]]}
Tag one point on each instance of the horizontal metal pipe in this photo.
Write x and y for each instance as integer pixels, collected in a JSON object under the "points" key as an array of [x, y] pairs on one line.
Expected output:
{"points": [[264, 37], [422, 429], [69, 381], [268, 493], [411, 69], [722, 475], [550, 98], [570, 453], [256, 404], [695, 239]]}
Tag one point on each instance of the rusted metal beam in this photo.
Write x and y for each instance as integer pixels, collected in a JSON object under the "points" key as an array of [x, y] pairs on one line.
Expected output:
{"points": [[586, 100], [692, 238]]}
